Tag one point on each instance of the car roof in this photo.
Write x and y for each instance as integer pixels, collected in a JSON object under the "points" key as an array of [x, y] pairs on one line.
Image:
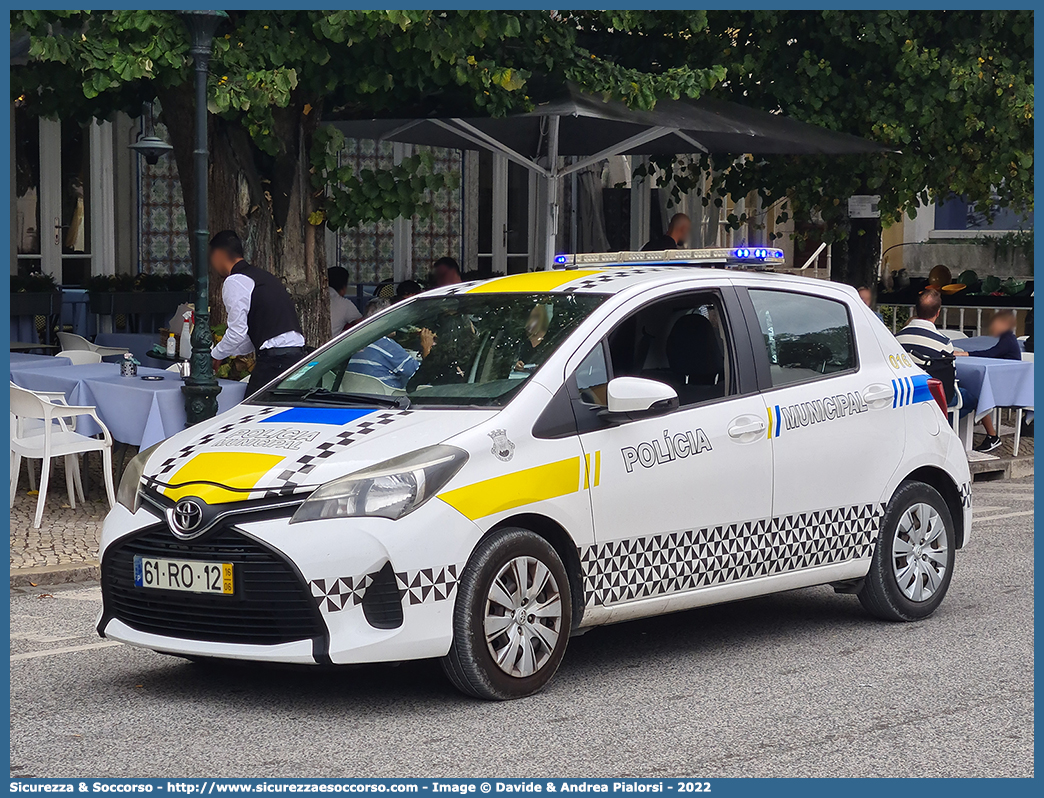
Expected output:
{"points": [[619, 278]]}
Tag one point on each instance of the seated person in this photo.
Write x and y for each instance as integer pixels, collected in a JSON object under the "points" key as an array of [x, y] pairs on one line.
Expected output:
{"points": [[386, 360], [930, 350], [1002, 327], [530, 349], [343, 313]]}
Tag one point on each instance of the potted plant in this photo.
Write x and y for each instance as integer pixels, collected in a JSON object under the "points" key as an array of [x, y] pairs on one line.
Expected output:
{"points": [[35, 295]]}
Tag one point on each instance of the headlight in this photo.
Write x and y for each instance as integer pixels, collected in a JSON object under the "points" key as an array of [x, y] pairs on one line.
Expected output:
{"points": [[390, 489], [130, 484]]}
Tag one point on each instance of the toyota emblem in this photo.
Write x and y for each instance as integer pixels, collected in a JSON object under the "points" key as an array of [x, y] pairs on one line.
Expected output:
{"points": [[187, 517]]}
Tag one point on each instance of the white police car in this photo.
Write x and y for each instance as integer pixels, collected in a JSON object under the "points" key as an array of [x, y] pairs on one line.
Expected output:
{"points": [[479, 472]]}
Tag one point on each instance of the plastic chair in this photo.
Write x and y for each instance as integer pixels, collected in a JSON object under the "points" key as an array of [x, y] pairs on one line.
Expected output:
{"points": [[953, 335], [80, 357], [54, 438], [72, 341], [55, 397]]}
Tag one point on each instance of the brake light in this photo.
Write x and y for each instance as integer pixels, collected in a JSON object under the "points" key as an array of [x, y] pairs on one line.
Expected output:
{"points": [[938, 393]]}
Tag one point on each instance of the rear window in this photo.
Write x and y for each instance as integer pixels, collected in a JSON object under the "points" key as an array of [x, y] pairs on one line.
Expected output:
{"points": [[806, 337]]}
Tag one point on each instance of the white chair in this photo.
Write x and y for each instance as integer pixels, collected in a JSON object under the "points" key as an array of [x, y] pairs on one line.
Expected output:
{"points": [[1027, 357], [54, 438], [80, 357], [953, 335], [55, 397], [70, 341]]}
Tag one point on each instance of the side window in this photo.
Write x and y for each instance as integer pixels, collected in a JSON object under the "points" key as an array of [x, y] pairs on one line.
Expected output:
{"points": [[681, 341], [592, 378], [806, 337]]}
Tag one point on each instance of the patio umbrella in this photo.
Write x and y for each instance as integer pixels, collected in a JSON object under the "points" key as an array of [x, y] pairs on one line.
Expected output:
{"points": [[591, 129]]}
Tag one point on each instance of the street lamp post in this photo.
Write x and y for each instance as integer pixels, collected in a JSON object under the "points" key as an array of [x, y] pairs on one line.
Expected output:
{"points": [[201, 387]]}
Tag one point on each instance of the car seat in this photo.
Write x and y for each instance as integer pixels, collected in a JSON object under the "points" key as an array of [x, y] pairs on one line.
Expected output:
{"points": [[695, 359]]}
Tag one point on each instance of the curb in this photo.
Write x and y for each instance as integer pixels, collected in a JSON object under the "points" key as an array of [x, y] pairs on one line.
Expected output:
{"points": [[88, 571]]}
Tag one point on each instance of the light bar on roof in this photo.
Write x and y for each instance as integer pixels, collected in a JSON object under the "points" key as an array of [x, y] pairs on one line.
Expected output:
{"points": [[737, 257]]}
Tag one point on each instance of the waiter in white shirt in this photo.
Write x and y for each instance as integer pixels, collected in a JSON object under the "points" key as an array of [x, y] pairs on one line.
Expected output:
{"points": [[261, 315]]}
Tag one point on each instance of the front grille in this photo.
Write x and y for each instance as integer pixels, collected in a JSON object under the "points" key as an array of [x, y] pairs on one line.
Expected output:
{"points": [[271, 603], [382, 603]]}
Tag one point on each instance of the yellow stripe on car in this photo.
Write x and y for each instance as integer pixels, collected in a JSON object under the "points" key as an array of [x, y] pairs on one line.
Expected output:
{"points": [[242, 470], [509, 491], [530, 282]]}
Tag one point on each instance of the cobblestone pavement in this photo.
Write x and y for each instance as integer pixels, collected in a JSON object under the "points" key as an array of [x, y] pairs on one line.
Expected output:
{"points": [[65, 536]]}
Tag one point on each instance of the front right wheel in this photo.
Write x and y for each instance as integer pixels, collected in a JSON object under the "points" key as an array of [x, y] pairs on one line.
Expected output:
{"points": [[913, 560], [512, 617]]}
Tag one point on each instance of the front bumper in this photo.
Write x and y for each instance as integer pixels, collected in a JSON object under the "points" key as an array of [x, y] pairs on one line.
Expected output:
{"points": [[337, 591]]}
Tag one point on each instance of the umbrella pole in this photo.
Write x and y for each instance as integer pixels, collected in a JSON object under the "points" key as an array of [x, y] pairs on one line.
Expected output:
{"points": [[546, 258]]}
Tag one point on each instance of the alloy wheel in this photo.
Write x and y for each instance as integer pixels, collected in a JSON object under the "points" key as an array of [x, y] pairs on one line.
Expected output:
{"points": [[919, 552], [523, 619]]}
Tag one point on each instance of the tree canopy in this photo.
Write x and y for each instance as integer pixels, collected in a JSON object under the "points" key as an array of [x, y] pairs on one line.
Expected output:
{"points": [[953, 91]]}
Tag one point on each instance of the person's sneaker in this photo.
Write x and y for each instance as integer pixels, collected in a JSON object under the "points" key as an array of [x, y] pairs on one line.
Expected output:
{"points": [[988, 444]]}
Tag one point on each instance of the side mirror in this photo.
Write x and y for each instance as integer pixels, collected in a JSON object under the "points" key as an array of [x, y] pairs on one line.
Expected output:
{"points": [[631, 398]]}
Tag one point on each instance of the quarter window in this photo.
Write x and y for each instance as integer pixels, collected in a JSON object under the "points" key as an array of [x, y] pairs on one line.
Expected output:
{"points": [[806, 337]]}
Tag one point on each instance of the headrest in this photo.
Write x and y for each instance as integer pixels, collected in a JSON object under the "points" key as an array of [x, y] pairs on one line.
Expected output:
{"points": [[693, 348]]}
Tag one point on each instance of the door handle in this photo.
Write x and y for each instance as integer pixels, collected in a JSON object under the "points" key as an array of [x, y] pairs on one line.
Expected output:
{"points": [[747, 428], [878, 395]]}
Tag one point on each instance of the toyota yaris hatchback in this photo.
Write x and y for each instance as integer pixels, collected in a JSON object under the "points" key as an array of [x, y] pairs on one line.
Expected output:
{"points": [[479, 472]]}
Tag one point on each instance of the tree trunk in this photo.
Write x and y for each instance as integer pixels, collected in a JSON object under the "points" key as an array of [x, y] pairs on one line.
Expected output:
{"points": [[854, 259], [265, 199]]}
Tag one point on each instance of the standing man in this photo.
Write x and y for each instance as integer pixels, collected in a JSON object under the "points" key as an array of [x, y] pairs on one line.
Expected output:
{"points": [[674, 238], [261, 316], [446, 271], [342, 310]]}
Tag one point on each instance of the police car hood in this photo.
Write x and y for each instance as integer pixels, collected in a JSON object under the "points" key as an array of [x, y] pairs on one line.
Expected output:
{"points": [[258, 452]]}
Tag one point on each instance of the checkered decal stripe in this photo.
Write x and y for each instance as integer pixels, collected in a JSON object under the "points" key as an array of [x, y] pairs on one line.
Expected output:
{"points": [[186, 453], [425, 586], [607, 277], [966, 499], [295, 475], [333, 595], [658, 565]]}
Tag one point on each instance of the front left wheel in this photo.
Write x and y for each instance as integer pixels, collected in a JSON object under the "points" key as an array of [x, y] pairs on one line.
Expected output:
{"points": [[512, 617]]}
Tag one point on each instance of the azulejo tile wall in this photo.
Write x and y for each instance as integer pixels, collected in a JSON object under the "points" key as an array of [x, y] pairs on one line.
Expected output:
{"points": [[366, 251], [163, 233]]}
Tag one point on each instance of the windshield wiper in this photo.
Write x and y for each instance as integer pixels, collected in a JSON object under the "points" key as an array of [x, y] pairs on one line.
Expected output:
{"points": [[319, 394]]}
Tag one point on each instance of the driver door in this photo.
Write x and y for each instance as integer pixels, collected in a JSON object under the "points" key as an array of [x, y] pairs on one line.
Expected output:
{"points": [[681, 500]]}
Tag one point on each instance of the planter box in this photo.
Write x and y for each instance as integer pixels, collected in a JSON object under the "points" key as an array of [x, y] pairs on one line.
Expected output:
{"points": [[31, 304], [145, 310]]}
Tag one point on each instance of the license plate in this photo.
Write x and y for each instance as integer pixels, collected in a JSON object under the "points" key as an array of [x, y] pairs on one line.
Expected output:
{"points": [[191, 576]]}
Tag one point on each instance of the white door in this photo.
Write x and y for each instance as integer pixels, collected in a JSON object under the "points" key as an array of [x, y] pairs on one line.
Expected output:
{"points": [[63, 197], [506, 214], [836, 439], [680, 501]]}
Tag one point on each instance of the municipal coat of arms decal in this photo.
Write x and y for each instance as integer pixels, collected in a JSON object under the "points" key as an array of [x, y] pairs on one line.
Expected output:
{"points": [[503, 449]]}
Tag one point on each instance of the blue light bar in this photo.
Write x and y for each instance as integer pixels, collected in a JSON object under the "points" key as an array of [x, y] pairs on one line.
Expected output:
{"points": [[561, 258], [759, 253]]}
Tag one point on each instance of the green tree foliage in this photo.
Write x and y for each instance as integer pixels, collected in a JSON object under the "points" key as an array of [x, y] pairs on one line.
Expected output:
{"points": [[953, 91], [90, 63]]}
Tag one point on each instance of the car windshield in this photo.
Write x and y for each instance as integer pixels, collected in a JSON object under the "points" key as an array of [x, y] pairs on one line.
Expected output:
{"points": [[463, 349]]}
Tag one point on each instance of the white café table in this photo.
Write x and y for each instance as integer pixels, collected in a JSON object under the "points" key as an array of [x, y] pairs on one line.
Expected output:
{"points": [[137, 412]]}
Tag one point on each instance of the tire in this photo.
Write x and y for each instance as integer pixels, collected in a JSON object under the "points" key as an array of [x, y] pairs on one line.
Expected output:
{"points": [[913, 560], [529, 661]]}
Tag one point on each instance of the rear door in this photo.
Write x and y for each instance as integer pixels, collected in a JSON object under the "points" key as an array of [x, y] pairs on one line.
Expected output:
{"points": [[681, 500], [836, 436]]}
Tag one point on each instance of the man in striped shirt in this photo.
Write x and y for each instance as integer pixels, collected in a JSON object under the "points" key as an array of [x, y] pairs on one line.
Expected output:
{"points": [[385, 359], [925, 343]]}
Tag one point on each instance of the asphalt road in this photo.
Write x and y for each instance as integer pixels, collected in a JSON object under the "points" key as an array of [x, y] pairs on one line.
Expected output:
{"points": [[799, 684]]}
